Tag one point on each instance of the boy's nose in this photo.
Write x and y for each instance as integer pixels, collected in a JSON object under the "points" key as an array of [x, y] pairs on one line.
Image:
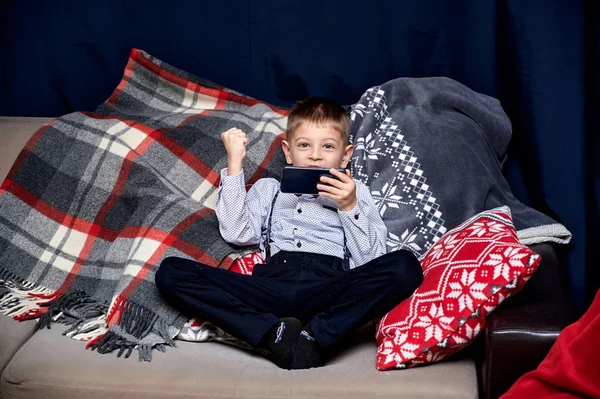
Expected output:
{"points": [[315, 154]]}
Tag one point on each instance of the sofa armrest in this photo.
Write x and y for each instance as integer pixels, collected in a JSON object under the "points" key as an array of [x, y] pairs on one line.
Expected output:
{"points": [[520, 332]]}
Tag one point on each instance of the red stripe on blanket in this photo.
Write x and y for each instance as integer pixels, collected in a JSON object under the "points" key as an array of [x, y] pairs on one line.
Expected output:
{"points": [[165, 244], [160, 235], [87, 227], [113, 316], [112, 100], [189, 159], [181, 152], [222, 100], [59, 216], [119, 185], [260, 171], [158, 135], [99, 219], [139, 57], [110, 201], [218, 106]]}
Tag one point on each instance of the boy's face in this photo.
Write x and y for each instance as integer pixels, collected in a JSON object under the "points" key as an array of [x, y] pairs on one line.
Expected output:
{"points": [[317, 146]]}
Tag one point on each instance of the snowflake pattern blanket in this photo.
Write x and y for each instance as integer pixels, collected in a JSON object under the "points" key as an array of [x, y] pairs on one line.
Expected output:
{"points": [[430, 150], [96, 200]]}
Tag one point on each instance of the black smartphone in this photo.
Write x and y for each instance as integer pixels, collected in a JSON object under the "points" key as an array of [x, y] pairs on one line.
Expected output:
{"points": [[299, 180]]}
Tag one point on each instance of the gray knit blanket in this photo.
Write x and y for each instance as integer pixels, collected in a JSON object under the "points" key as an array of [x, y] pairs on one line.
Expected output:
{"points": [[430, 150]]}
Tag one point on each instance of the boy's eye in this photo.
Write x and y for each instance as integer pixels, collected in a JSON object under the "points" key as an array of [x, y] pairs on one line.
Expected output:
{"points": [[329, 146], [303, 145]]}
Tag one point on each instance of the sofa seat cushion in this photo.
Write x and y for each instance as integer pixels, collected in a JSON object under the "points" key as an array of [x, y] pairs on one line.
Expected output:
{"points": [[51, 366], [12, 335]]}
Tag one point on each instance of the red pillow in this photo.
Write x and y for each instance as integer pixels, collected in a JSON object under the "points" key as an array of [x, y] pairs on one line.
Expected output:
{"points": [[245, 264], [467, 274]]}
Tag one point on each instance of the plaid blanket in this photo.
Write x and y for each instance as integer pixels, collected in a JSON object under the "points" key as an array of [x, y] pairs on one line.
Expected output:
{"points": [[96, 200]]}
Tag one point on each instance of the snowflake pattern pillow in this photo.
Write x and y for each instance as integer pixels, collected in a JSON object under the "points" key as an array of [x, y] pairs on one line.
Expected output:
{"points": [[198, 330], [467, 274]]}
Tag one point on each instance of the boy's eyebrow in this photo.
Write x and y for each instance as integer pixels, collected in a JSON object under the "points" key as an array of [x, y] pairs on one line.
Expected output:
{"points": [[330, 139], [326, 138]]}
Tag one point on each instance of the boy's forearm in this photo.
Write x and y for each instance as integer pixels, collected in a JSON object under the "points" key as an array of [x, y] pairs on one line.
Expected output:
{"points": [[234, 166], [231, 214], [365, 230], [366, 247], [365, 236]]}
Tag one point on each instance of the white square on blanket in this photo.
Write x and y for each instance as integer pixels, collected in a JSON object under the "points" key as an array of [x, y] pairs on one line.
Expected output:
{"points": [[133, 137], [202, 189], [132, 270], [74, 242], [114, 147], [144, 251], [58, 261], [189, 105]]}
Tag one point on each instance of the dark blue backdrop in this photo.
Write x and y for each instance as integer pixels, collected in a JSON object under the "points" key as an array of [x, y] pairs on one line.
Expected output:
{"points": [[540, 58]]}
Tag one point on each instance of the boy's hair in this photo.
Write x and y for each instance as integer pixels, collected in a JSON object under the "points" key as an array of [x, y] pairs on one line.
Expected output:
{"points": [[319, 111]]}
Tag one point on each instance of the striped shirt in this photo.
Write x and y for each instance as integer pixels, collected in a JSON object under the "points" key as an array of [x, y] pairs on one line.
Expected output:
{"points": [[301, 223]]}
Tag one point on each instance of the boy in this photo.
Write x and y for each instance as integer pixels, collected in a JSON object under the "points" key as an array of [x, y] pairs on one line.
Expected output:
{"points": [[306, 297]]}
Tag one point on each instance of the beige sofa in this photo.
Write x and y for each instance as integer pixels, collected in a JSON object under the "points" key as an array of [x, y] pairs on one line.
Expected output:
{"points": [[49, 365]]}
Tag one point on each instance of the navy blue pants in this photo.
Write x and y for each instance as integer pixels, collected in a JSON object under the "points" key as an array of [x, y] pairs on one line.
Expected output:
{"points": [[313, 288]]}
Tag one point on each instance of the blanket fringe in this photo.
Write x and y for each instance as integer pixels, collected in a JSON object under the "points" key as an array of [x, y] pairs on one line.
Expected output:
{"points": [[21, 299], [87, 330], [74, 308], [87, 319], [137, 321]]}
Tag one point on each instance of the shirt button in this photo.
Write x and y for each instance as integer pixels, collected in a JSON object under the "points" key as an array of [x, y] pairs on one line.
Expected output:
{"points": [[299, 210], [299, 244], [356, 216]]}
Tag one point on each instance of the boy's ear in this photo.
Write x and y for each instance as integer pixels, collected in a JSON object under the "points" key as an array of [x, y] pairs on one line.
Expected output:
{"points": [[286, 150], [347, 154]]}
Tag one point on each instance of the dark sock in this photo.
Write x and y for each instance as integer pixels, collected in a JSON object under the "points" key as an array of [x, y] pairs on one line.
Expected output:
{"points": [[307, 352], [279, 341]]}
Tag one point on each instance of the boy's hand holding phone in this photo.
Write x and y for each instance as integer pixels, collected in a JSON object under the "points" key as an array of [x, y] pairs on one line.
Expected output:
{"points": [[235, 141], [342, 190]]}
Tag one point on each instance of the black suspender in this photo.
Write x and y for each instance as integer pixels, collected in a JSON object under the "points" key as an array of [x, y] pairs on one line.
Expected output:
{"points": [[268, 238], [346, 263]]}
